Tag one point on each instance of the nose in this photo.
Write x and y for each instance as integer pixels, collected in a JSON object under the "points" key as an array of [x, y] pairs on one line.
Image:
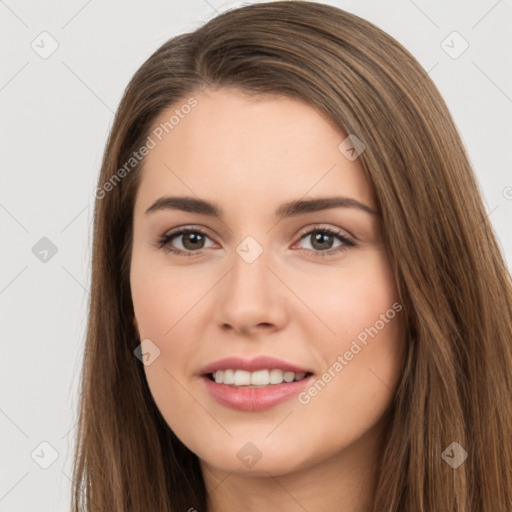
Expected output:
{"points": [[251, 299]]}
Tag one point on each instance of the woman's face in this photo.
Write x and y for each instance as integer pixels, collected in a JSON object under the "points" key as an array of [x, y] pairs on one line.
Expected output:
{"points": [[279, 279]]}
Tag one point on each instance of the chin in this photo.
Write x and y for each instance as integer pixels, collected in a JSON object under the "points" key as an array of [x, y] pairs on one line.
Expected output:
{"points": [[256, 459]]}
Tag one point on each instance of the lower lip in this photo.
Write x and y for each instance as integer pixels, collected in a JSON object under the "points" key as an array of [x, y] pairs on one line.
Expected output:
{"points": [[254, 399]]}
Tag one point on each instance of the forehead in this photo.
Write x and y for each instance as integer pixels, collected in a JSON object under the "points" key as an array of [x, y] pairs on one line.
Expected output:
{"points": [[238, 148]]}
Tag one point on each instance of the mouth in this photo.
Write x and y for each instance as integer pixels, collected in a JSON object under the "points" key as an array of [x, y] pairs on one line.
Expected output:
{"points": [[254, 385], [237, 378]]}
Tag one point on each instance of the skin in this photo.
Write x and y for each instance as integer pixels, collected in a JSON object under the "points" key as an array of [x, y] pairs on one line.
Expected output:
{"points": [[249, 155]]}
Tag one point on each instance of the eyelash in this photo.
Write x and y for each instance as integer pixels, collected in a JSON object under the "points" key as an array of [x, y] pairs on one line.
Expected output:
{"points": [[163, 241]]}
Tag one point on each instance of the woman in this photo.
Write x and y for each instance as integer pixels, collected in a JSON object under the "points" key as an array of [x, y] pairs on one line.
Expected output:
{"points": [[298, 302]]}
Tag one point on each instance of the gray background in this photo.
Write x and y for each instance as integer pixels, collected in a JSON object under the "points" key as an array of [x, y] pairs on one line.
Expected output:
{"points": [[56, 113]]}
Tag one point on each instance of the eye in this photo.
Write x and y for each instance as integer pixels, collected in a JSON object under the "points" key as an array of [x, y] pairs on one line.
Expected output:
{"points": [[323, 241], [192, 241]]}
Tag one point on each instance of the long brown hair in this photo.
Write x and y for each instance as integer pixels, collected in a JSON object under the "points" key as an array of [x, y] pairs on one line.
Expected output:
{"points": [[452, 279]]}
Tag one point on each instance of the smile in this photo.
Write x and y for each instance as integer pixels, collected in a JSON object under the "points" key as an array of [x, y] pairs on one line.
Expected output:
{"points": [[257, 379], [254, 384]]}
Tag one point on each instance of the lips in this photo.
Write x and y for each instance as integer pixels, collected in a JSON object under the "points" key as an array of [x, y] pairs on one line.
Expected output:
{"points": [[248, 397]]}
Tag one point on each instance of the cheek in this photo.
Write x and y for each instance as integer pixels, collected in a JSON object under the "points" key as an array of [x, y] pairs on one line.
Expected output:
{"points": [[164, 303], [161, 296], [164, 309], [357, 387], [363, 359], [349, 299]]}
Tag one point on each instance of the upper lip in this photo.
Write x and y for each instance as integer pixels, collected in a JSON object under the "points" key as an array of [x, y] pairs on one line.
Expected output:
{"points": [[252, 365]]}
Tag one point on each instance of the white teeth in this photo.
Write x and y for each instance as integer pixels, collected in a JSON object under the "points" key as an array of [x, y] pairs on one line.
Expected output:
{"points": [[255, 379], [288, 376], [276, 376], [242, 378], [260, 378], [229, 376]]}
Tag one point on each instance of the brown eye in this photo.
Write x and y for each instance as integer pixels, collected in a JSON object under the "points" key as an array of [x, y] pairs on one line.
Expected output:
{"points": [[321, 241], [191, 243], [326, 241]]}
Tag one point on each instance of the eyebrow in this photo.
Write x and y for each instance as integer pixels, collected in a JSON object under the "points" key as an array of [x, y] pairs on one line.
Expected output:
{"points": [[289, 209]]}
